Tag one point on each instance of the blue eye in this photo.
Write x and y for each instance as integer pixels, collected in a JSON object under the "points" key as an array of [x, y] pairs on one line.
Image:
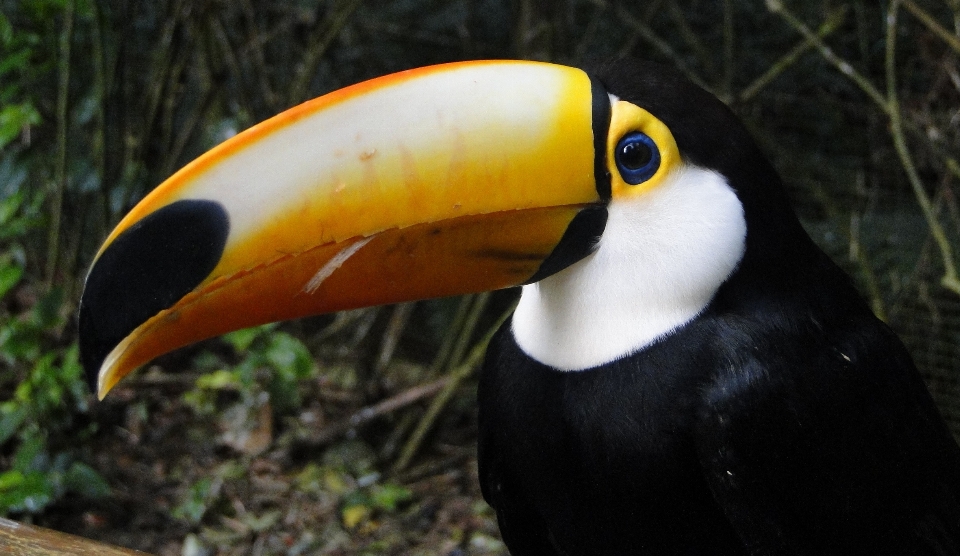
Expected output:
{"points": [[637, 157]]}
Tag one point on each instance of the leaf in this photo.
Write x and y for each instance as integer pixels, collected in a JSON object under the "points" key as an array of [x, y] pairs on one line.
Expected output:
{"points": [[219, 380], [10, 479], [85, 481], [15, 60], [289, 356], [241, 340], [9, 276], [388, 496], [9, 207], [197, 500], [291, 362], [47, 311], [29, 492], [262, 523], [12, 416], [193, 546], [13, 118], [355, 515], [6, 30], [71, 374], [31, 455]]}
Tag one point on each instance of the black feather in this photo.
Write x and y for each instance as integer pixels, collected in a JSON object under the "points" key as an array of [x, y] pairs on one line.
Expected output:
{"points": [[785, 419]]}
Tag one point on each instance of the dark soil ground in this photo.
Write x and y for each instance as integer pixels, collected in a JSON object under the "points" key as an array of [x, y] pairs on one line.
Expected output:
{"points": [[243, 480]]}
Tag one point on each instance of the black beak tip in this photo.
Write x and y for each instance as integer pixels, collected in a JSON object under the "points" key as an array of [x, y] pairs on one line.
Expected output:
{"points": [[146, 269], [92, 351]]}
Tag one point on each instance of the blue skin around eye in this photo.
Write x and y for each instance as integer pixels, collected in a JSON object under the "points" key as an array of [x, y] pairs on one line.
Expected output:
{"points": [[641, 174]]}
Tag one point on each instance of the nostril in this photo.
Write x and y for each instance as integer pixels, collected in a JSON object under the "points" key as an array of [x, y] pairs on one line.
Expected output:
{"points": [[145, 270]]}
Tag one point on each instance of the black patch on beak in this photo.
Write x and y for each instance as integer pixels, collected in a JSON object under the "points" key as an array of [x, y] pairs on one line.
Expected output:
{"points": [[581, 236], [578, 241], [601, 127], [147, 269]]}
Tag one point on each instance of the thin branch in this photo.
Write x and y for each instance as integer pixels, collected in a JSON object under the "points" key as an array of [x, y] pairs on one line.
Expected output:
{"points": [[777, 7], [319, 45], [648, 35], [228, 55], [950, 279], [834, 20], [450, 338], [891, 107], [470, 324], [100, 144], [456, 376], [63, 92], [858, 255], [588, 34], [391, 337], [953, 166], [937, 29], [729, 38], [161, 63], [406, 398], [259, 57], [691, 37], [855, 252]]}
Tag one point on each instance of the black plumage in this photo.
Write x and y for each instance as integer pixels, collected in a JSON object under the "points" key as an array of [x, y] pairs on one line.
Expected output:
{"points": [[784, 419]]}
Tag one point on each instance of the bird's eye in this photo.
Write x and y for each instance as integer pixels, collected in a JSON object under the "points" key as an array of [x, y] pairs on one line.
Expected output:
{"points": [[637, 157]]}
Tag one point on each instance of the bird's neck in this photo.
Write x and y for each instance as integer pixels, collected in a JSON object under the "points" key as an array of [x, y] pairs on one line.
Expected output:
{"points": [[659, 263]]}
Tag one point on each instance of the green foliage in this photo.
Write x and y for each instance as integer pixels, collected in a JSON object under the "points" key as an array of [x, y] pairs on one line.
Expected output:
{"points": [[197, 500], [389, 496], [17, 71], [272, 361], [14, 118], [44, 406], [361, 495], [37, 479], [205, 493], [38, 419]]}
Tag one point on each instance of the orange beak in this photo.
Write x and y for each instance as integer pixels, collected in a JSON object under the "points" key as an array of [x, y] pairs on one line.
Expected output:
{"points": [[439, 181]]}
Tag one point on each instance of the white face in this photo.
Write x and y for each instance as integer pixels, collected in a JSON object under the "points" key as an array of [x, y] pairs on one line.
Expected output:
{"points": [[662, 257]]}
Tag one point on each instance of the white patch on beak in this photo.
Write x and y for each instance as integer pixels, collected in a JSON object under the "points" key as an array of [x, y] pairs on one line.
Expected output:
{"points": [[661, 259], [333, 264]]}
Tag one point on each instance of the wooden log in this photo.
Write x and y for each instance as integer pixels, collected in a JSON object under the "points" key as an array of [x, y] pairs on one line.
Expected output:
{"points": [[17, 539]]}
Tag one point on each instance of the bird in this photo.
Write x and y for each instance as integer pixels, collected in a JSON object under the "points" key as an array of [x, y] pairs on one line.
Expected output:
{"points": [[686, 372]]}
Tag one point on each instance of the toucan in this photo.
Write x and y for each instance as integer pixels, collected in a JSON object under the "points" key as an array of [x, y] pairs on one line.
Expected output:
{"points": [[686, 372]]}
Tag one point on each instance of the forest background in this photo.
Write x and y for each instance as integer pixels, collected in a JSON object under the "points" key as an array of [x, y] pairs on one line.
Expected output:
{"points": [[354, 434]]}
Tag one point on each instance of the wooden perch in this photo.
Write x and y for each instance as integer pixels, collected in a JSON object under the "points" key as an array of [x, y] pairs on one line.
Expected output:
{"points": [[17, 539]]}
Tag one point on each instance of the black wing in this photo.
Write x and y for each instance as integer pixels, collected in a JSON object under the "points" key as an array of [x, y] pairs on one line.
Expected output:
{"points": [[829, 444], [521, 525]]}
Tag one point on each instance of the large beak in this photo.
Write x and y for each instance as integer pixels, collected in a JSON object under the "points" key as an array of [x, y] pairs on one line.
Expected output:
{"points": [[440, 181]]}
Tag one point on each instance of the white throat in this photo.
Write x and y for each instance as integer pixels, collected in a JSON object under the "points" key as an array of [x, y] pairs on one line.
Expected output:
{"points": [[661, 259]]}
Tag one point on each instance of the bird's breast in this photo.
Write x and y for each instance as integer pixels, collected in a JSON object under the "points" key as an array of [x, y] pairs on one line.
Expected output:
{"points": [[604, 455]]}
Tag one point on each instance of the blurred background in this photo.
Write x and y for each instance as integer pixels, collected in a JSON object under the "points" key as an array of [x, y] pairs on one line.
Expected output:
{"points": [[354, 433]]}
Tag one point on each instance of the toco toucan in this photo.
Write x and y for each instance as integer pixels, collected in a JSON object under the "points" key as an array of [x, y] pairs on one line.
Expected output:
{"points": [[686, 373]]}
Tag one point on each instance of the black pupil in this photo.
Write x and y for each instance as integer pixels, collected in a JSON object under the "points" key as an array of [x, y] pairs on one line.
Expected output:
{"points": [[636, 155]]}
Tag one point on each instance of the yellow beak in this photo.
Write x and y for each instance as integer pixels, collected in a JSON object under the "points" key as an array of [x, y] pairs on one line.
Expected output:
{"points": [[439, 181]]}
